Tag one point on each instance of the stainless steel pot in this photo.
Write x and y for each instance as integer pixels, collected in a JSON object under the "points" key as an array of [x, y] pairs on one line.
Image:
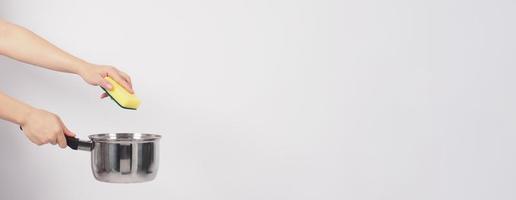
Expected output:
{"points": [[121, 157]]}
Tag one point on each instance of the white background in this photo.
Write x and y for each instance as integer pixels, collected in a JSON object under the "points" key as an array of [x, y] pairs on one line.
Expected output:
{"points": [[278, 99]]}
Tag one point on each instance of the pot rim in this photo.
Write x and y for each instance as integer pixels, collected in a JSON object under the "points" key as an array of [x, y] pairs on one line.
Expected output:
{"points": [[124, 137]]}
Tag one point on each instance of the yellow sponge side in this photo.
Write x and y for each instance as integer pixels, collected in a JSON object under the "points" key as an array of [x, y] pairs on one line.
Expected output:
{"points": [[119, 94]]}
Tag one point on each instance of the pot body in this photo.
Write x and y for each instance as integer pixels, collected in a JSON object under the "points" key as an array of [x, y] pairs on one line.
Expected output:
{"points": [[124, 157]]}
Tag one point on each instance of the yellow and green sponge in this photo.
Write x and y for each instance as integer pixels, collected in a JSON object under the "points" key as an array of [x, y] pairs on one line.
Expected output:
{"points": [[121, 96]]}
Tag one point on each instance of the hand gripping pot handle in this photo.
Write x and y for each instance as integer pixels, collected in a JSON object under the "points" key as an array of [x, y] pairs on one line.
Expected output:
{"points": [[76, 144]]}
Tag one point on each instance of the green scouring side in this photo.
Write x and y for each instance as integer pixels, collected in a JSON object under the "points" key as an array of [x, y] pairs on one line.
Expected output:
{"points": [[116, 101]]}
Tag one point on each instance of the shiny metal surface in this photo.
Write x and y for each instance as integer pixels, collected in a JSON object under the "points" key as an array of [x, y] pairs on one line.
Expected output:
{"points": [[124, 157]]}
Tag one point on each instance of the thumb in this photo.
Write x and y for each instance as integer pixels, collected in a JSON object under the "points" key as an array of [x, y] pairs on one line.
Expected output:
{"points": [[67, 132]]}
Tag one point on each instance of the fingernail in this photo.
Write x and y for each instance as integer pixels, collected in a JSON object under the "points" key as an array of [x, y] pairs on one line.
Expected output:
{"points": [[108, 86]]}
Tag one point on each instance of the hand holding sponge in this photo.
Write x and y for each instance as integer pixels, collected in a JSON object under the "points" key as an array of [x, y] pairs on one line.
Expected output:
{"points": [[121, 96]]}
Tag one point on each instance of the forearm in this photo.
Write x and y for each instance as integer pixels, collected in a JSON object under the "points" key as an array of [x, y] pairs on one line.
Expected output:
{"points": [[13, 110], [21, 44]]}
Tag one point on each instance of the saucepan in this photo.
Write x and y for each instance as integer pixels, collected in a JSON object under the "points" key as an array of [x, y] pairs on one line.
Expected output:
{"points": [[121, 157]]}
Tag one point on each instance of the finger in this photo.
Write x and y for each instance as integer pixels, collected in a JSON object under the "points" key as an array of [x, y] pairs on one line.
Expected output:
{"points": [[104, 83], [67, 132], [61, 140], [52, 141], [103, 95], [116, 76], [127, 78], [104, 74]]}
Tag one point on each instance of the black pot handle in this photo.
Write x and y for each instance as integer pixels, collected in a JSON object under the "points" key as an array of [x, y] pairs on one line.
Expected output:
{"points": [[76, 144]]}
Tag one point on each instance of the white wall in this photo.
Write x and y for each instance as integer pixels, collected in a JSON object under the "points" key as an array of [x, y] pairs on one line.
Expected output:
{"points": [[279, 99]]}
